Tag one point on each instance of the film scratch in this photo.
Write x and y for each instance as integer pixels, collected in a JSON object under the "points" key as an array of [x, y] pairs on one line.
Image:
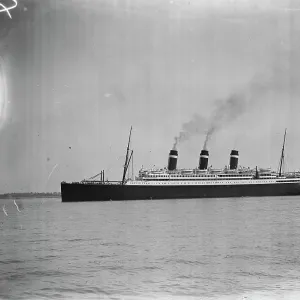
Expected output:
{"points": [[7, 9]]}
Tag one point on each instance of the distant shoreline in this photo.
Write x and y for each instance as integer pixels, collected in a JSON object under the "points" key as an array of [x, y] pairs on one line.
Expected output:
{"points": [[29, 195]]}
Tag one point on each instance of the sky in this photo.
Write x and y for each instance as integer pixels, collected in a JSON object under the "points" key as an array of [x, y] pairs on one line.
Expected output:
{"points": [[75, 75]]}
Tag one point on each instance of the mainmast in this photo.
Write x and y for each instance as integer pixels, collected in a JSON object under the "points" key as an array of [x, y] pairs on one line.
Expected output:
{"points": [[126, 160], [282, 154]]}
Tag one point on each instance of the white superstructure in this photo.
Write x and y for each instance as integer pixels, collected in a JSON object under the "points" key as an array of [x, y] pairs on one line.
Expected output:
{"points": [[241, 176]]}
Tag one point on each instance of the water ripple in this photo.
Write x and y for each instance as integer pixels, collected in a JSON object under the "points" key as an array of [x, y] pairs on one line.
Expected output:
{"points": [[191, 249]]}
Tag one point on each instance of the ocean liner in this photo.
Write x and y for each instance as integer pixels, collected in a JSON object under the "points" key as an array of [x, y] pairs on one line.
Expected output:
{"points": [[173, 183]]}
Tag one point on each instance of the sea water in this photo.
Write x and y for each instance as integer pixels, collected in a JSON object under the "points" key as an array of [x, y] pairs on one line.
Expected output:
{"points": [[246, 248]]}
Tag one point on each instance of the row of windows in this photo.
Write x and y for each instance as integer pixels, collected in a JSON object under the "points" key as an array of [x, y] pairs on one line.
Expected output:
{"points": [[195, 175], [193, 179], [222, 181], [203, 183], [288, 181]]}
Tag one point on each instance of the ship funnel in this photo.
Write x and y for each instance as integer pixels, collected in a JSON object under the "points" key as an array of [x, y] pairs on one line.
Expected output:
{"points": [[234, 159], [203, 160], [172, 160]]}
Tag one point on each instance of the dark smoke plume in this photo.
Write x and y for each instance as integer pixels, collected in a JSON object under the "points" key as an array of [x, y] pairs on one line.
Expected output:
{"points": [[226, 111], [196, 126]]}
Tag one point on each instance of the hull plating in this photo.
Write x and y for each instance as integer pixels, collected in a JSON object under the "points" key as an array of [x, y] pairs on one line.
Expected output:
{"points": [[76, 192]]}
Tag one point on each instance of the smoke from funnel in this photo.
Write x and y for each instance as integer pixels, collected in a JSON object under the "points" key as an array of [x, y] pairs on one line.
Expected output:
{"points": [[196, 126], [224, 113], [227, 110]]}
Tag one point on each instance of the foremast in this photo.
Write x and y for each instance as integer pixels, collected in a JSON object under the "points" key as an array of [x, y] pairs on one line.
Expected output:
{"points": [[282, 155], [128, 158]]}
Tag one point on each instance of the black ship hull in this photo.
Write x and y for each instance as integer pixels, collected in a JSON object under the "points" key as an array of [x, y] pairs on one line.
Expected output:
{"points": [[77, 192]]}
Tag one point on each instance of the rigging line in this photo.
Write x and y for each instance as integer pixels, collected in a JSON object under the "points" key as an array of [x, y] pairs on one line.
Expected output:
{"points": [[95, 176], [126, 160], [132, 172], [282, 154], [128, 163]]}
